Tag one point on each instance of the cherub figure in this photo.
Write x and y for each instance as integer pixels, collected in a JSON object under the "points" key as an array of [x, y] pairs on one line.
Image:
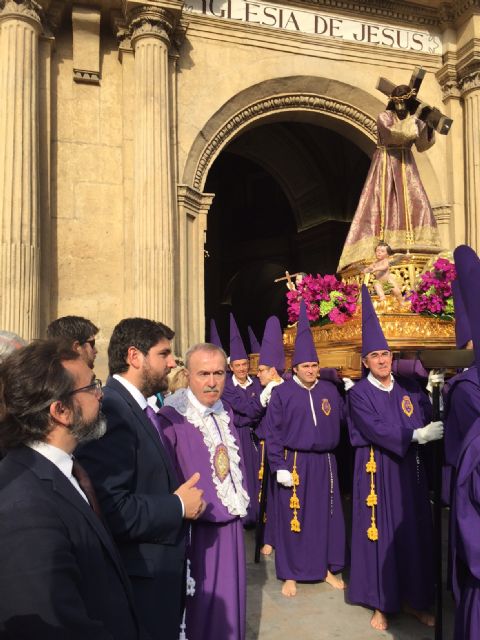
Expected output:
{"points": [[381, 270]]}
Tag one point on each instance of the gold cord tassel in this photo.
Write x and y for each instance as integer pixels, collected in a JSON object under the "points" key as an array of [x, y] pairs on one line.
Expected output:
{"points": [[371, 499], [262, 469], [294, 501]]}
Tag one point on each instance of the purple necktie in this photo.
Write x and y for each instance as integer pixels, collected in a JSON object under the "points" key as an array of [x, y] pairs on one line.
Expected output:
{"points": [[152, 416]]}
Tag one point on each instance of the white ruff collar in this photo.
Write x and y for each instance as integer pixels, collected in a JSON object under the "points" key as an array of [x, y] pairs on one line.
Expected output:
{"points": [[230, 491]]}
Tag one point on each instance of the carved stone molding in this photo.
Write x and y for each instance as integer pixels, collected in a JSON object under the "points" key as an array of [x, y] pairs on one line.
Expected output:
{"points": [[470, 81], [448, 78], [147, 21], [277, 104], [193, 202], [22, 9], [442, 213], [380, 9]]}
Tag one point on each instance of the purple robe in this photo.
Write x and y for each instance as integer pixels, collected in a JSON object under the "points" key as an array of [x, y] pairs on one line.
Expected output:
{"points": [[393, 206], [461, 396], [247, 411], [216, 552], [269, 529], [466, 517], [290, 428], [398, 567]]}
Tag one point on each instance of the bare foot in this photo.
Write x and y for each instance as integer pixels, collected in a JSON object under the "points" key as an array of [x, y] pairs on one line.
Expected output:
{"points": [[379, 621], [334, 581], [422, 616], [266, 550], [289, 588]]}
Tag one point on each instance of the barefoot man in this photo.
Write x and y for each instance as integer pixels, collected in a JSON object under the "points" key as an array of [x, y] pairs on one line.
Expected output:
{"points": [[302, 430], [392, 536]]}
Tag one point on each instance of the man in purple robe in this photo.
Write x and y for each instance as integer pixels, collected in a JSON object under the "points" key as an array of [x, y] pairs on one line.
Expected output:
{"points": [[302, 430], [202, 435], [392, 532], [466, 502], [241, 394], [271, 364]]}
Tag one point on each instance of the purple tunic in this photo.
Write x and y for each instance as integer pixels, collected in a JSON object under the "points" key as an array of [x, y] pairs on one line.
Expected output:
{"points": [[398, 567], [216, 551], [466, 516], [291, 430], [247, 411]]}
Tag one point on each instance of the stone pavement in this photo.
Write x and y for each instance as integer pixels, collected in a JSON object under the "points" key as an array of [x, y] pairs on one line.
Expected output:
{"points": [[319, 612]]}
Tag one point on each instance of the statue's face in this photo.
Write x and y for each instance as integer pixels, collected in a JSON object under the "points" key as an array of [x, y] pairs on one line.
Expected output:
{"points": [[401, 109]]}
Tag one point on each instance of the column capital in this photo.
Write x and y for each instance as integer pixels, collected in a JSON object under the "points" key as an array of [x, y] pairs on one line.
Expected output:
{"points": [[448, 78], [470, 80], [27, 10], [151, 21]]}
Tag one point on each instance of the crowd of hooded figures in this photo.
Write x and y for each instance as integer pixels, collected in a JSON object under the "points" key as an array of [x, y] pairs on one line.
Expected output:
{"points": [[123, 506]]}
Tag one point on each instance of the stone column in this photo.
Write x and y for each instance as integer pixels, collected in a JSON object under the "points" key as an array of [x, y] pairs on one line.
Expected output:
{"points": [[470, 88], [153, 269], [20, 27], [193, 207]]}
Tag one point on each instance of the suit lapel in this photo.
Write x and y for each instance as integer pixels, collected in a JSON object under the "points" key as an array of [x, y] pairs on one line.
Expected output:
{"points": [[47, 472], [147, 427]]}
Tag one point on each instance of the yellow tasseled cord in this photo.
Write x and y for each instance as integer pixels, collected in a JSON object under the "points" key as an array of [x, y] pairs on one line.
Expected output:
{"points": [[371, 499], [294, 501]]}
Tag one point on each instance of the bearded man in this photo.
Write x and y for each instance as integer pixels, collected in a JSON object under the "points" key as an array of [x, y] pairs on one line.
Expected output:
{"points": [[61, 573], [135, 478]]}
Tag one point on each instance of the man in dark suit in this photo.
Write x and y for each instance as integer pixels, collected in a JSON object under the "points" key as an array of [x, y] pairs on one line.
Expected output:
{"points": [[135, 478], [61, 576]]}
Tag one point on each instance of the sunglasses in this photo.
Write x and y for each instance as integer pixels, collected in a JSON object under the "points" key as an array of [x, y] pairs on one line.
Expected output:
{"points": [[90, 342]]}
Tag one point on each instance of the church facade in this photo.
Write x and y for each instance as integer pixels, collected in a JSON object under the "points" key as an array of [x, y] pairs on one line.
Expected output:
{"points": [[115, 111]]}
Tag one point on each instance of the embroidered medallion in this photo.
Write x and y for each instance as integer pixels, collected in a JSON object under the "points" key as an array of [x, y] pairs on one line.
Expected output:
{"points": [[407, 406], [326, 408], [221, 462]]}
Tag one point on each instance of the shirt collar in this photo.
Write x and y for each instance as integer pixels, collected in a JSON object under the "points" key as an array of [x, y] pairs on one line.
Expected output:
{"points": [[202, 409], [239, 384], [376, 383], [300, 383], [59, 457], [133, 391]]}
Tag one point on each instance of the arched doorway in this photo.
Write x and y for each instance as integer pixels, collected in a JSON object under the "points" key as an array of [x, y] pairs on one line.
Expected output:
{"points": [[289, 135], [285, 194]]}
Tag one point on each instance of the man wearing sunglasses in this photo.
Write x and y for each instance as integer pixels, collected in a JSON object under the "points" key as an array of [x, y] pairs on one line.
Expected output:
{"points": [[61, 573], [79, 333]]}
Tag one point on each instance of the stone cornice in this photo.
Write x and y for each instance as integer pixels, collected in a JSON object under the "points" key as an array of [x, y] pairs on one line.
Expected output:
{"points": [[382, 9], [28, 10]]}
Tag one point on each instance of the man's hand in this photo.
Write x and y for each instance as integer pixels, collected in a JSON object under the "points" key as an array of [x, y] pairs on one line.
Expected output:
{"points": [[432, 431], [191, 497], [284, 478]]}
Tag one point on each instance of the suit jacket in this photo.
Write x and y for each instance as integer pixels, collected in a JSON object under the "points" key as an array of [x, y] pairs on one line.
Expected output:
{"points": [[61, 576], [135, 478]]}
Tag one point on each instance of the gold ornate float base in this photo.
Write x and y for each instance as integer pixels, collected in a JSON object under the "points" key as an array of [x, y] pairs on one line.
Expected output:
{"points": [[339, 346]]}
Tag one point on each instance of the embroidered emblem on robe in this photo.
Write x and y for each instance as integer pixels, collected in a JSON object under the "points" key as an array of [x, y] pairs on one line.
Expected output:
{"points": [[221, 462], [407, 406], [326, 408]]}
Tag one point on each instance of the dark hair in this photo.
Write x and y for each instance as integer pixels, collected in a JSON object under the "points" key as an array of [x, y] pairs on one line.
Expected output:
{"points": [[31, 378], [399, 91], [72, 328], [384, 244], [134, 332]]}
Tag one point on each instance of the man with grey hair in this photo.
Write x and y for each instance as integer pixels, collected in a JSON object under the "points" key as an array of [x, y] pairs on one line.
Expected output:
{"points": [[9, 342], [203, 438]]}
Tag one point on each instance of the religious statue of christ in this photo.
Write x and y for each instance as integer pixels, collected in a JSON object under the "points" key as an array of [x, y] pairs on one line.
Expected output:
{"points": [[393, 207]]}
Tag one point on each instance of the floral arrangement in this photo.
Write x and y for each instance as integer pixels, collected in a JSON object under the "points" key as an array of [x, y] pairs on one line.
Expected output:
{"points": [[327, 299], [433, 295]]}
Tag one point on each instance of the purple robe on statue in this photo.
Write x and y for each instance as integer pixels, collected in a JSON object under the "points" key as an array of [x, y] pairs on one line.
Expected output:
{"points": [[247, 411], [398, 567], [393, 206], [216, 550], [466, 518], [293, 436]]}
